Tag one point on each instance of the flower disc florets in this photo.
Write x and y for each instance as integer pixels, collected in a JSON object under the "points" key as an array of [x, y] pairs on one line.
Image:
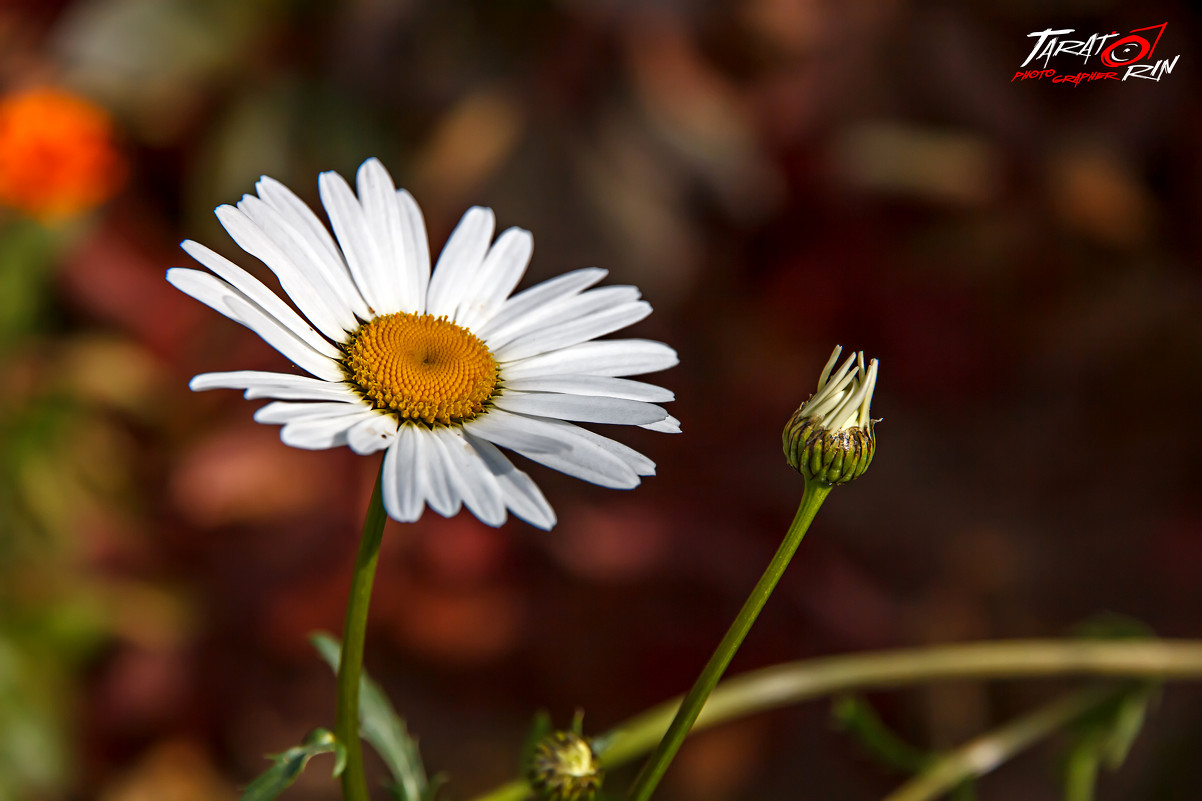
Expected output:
{"points": [[421, 367], [565, 768], [830, 438]]}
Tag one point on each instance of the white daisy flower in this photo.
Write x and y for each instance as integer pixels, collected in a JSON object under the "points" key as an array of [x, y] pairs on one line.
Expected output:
{"points": [[438, 367]]}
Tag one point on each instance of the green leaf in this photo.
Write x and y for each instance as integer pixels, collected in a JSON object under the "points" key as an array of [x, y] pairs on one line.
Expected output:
{"points": [[1112, 626], [289, 765], [1128, 721], [540, 727], [1110, 731], [856, 716], [27, 251], [434, 786], [1104, 736], [384, 729], [1081, 773]]}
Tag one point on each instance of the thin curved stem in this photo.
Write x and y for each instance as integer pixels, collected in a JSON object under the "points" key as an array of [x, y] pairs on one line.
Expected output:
{"points": [[794, 682], [690, 708], [350, 665]]}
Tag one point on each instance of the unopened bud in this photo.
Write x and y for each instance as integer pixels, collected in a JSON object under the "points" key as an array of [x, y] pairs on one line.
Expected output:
{"points": [[563, 767], [830, 438]]}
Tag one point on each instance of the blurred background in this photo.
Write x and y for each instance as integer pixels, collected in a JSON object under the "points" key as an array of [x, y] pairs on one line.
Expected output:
{"points": [[777, 176]]}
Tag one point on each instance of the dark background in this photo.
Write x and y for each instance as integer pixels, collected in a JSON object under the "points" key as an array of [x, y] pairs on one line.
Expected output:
{"points": [[777, 176]]}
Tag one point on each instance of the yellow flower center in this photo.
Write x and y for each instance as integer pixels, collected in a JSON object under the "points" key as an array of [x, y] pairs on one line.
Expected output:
{"points": [[421, 367]]}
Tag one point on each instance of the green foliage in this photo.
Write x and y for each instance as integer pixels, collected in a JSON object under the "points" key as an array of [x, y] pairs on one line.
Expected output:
{"points": [[1104, 736], [855, 716], [1113, 727], [27, 252], [540, 727], [50, 617], [1111, 626], [290, 763], [385, 730], [34, 736]]}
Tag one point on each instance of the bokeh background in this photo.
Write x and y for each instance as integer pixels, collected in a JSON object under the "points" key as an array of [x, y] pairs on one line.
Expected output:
{"points": [[777, 176]]}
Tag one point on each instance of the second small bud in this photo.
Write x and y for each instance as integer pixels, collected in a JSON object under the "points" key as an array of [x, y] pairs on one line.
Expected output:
{"points": [[564, 767]]}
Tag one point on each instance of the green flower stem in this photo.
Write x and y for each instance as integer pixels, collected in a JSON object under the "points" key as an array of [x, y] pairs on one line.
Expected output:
{"points": [[795, 682], [982, 754], [690, 708], [350, 666]]}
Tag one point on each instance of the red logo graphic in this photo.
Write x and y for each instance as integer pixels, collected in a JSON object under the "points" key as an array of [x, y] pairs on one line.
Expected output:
{"points": [[1120, 53], [1123, 52]]}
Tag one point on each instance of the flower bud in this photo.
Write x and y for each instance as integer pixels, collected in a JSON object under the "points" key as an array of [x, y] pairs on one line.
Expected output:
{"points": [[830, 438], [563, 767]]}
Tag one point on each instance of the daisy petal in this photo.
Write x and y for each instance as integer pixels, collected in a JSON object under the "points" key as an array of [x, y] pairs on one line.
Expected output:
{"points": [[306, 260], [582, 408], [574, 332], [432, 466], [377, 194], [460, 261], [519, 437], [562, 310], [503, 267], [350, 225], [373, 434], [540, 295], [417, 248], [307, 288], [669, 425], [592, 385], [223, 298], [636, 461], [612, 357], [323, 432], [330, 392], [307, 228], [245, 379], [403, 497], [274, 334], [287, 412], [469, 477], [261, 296], [521, 494], [573, 453], [260, 384]]}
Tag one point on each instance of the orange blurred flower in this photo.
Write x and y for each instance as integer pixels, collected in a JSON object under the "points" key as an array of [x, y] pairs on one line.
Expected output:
{"points": [[57, 156]]}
